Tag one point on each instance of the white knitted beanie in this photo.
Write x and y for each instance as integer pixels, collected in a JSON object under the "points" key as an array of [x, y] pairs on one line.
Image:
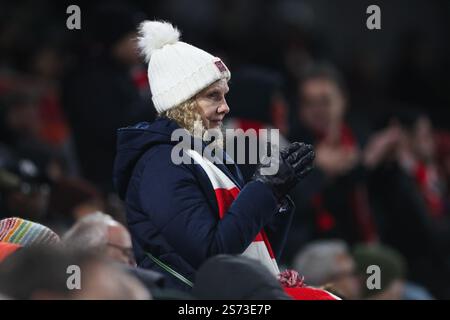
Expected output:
{"points": [[176, 70]]}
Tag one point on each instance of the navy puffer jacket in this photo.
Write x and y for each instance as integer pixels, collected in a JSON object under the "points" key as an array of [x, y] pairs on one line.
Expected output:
{"points": [[172, 210]]}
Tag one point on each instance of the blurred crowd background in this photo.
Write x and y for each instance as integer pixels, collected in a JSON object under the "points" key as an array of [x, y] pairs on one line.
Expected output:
{"points": [[375, 104]]}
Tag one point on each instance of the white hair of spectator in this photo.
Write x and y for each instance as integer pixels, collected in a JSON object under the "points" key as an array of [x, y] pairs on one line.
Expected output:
{"points": [[317, 261], [90, 232]]}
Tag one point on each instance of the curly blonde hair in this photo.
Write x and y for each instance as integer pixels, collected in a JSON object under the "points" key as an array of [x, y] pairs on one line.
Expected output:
{"points": [[186, 115]]}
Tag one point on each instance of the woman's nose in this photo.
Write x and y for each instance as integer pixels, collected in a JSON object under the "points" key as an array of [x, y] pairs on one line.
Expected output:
{"points": [[223, 108]]}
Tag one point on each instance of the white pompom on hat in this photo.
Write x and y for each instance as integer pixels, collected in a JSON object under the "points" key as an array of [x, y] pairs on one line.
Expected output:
{"points": [[176, 70]]}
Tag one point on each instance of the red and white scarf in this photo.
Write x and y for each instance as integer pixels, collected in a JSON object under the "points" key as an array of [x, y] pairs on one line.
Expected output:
{"points": [[226, 192]]}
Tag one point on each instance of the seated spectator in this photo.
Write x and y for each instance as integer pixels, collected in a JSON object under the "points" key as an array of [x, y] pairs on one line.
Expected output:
{"points": [[407, 194], [334, 202], [417, 156], [392, 272], [100, 233], [329, 262], [26, 233], [49, 277]]}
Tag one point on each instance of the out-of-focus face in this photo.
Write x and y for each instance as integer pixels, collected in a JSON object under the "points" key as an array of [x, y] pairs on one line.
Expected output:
{"points": [[422, 140], [212, 104], [97, 284], [125, 50], [346, 280], [48, 63], [321, 104], [119, 246], [100, 280]]}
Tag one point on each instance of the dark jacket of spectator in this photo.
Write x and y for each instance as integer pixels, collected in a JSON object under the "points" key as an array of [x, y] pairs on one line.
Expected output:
{"points": [[406, 226], [172, 210]]}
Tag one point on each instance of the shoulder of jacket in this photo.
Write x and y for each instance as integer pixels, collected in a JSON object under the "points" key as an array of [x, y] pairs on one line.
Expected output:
{"points": [[160, 157]]}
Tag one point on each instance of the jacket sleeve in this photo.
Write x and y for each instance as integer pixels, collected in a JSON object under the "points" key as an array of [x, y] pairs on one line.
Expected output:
{"points": [[278, 229], [171, 197]]}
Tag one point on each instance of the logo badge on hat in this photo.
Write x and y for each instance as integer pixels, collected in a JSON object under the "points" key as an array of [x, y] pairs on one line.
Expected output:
{"points": [[221, 66]]}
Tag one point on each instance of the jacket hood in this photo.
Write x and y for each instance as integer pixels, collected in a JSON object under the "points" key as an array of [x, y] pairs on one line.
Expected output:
{"points": [[133, 142]]}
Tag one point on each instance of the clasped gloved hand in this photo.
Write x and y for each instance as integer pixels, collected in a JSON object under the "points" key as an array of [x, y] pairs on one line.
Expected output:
{"points": [[294, 163]]}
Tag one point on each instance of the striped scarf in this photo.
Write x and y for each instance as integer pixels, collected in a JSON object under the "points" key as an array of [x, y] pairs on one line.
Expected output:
{"points": [[226, 192]]}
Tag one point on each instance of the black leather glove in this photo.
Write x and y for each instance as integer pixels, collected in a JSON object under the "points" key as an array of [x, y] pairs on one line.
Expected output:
{"points": [[294, 163]]}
